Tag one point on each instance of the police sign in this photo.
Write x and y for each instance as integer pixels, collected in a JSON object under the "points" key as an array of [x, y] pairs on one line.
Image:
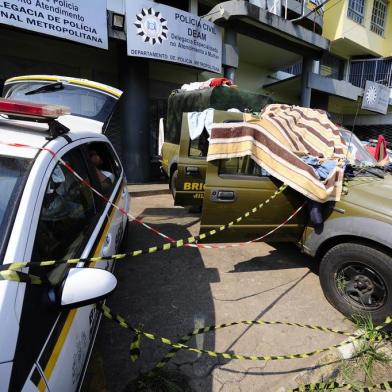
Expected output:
{"points": [[165, 33], [83, 21], [376, 97]]}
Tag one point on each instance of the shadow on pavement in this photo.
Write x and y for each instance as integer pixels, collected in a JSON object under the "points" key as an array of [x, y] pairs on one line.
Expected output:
{"points": [[169, 293], [166, 293], [284, 256]]}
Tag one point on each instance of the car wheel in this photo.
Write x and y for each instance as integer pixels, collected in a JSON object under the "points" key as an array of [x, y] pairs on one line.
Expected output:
{"points": [[357, 279], [173, 183]]}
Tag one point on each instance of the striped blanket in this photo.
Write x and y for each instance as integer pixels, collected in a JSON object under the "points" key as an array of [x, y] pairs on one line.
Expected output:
{"points": [[277, 139]]}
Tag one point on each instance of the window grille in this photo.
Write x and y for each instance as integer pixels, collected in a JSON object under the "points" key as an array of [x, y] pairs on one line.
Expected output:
{"points": [[356, 9], [379, 15]]}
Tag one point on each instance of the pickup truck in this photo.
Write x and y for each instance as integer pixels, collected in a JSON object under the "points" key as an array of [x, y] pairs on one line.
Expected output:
{"points": [[353, 245]]}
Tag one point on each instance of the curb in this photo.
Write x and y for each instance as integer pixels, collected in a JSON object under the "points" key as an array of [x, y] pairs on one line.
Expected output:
{"points": [[149, 192], [326, 367]]}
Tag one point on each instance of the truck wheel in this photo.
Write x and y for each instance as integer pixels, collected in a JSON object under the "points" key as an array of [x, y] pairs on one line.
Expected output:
{"points": [[357, 279], [173, 183]]}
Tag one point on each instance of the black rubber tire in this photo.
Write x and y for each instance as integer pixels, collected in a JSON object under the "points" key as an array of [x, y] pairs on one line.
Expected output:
{"points": [[340, 256], [173, 183]]}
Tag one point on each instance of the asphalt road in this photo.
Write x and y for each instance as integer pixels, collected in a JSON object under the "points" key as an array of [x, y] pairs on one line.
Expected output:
{"points": [[171, 293]]}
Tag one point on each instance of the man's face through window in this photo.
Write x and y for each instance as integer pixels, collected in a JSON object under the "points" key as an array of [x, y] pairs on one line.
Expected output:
{"points": [[95, 158]]}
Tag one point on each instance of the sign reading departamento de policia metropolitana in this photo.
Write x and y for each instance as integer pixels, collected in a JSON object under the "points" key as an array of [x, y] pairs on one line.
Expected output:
{"points": [[165, 33], [82, 21]]}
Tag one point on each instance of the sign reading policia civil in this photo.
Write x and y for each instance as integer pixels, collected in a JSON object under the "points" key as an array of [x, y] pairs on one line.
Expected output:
{"points": [[165, 33], [82, 21]]}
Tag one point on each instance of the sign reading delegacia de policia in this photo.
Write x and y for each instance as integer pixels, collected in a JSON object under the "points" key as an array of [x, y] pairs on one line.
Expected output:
{"points": [[77, 20], [165, 33]]}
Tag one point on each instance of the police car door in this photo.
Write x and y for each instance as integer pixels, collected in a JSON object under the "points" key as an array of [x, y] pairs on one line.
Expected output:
{"points": [[53, 345], [114, 188]]}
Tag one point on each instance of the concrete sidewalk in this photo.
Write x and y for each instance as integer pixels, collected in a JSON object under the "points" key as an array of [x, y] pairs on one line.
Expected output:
{"points": [[172, 293], [138, 190]]}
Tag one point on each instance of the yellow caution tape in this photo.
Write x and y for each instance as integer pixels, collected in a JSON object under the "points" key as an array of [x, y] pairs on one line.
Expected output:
{"points": [[330, 386], [167, 246], [179, 345], [20, 277]]}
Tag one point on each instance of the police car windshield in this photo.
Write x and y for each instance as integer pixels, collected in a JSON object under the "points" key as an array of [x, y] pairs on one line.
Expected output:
{"points": [[82, 101], [13, 172]]}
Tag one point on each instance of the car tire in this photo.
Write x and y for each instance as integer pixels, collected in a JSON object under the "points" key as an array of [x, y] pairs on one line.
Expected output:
{"points": [[357, 279], [173, 183]]}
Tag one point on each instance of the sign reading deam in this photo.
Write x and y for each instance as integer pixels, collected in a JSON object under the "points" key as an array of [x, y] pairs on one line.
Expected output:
{"points": [[77, 20], [165, 33]]}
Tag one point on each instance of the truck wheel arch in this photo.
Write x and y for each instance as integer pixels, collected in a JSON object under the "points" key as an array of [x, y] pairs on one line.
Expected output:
{"points": [[362, 230], [173, 168]]}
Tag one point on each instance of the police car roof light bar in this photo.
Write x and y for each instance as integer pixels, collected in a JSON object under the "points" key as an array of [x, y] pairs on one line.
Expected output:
{"points": [[33, 110]]}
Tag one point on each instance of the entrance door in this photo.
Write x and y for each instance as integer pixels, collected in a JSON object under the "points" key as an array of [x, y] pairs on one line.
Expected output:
{"points": [[233, 187]]}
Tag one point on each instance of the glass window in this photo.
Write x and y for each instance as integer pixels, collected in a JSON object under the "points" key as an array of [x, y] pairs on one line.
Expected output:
{"points": [[67, 215], [105, 164], [379, 15], [83, 102], [357, 154], [356, 9], [199, 146], [13, 173], [244, 166]]}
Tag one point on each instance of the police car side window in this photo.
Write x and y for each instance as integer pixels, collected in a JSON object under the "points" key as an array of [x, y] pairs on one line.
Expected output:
{"points": [[244, 166], [105, 165], [67, 214]]}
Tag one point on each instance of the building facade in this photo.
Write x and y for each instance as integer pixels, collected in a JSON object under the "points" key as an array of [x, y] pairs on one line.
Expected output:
{"points": [[360, 35], [258, 39]]}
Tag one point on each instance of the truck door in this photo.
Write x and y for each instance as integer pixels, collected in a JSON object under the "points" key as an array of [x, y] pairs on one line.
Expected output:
{"points": [[192, 162], [191, 167], [233, 187]]}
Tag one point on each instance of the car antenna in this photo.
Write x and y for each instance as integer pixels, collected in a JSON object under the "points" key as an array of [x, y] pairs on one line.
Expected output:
{"points": [[352, 129]]}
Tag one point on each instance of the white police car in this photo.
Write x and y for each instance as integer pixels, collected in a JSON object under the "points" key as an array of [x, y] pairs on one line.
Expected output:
{"points": [[46, 213]]}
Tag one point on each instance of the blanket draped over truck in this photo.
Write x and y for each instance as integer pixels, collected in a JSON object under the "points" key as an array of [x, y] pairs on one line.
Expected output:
{"points": [[283, 140]]}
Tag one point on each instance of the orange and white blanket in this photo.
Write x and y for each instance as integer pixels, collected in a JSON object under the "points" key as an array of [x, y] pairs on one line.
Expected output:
{"points": [[277, 139]]}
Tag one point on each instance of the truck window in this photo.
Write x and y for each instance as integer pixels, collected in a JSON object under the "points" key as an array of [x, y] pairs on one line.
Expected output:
{"points": [[244, 166], [199, 146]]}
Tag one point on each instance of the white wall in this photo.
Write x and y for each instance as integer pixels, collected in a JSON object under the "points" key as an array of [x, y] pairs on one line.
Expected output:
{"points": [[117, 6]]}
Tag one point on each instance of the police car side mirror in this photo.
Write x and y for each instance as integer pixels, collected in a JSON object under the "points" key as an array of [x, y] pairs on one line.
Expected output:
{"points": [[84, 286]]}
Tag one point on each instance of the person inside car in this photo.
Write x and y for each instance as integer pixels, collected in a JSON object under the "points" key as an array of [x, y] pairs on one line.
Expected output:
{"points": [[106, 178]]}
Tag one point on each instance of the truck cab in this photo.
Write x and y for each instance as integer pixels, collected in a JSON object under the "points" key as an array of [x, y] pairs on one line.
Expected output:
{"points": [[353, 243], [184, 159]]}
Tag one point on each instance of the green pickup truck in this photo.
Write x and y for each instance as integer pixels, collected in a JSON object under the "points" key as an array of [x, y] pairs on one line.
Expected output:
{"points": [[186, 179], [353, 245]]}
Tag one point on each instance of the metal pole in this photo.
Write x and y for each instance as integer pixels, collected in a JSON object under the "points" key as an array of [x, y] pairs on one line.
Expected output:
{"points": [[230, 39], [306, 91], [134, 107], [193, 7]]}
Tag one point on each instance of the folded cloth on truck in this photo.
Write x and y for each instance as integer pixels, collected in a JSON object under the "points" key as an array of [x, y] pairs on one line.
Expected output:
{"points": [[278, 139], [197, 121], [321, 167]]}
